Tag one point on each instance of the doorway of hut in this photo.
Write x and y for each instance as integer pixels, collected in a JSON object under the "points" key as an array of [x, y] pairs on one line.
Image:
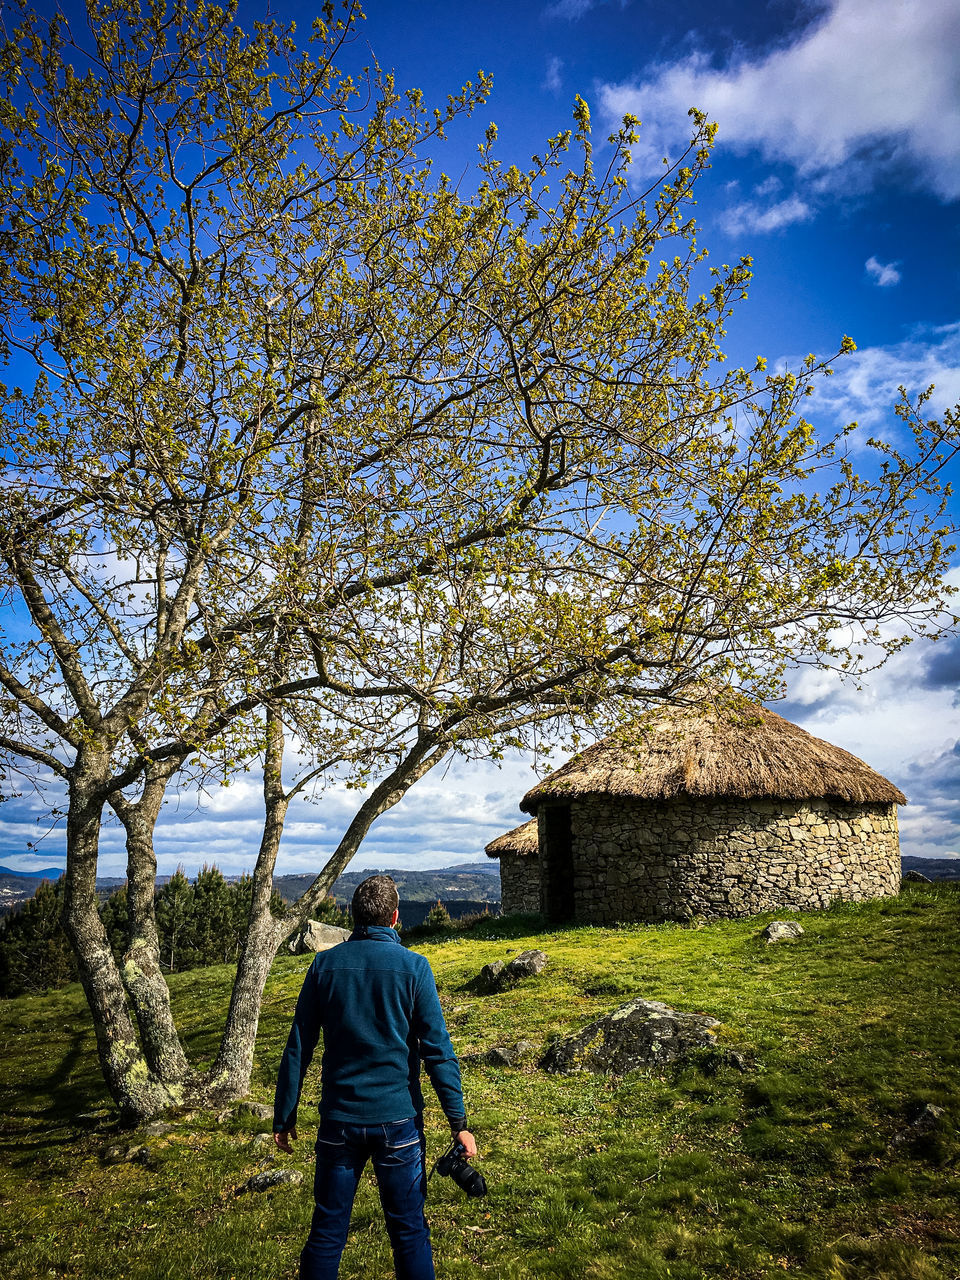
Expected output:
{"points": [[557, 867]]}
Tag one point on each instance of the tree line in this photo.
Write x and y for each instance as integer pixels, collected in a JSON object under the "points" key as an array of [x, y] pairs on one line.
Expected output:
{"points": [[199, 922]]}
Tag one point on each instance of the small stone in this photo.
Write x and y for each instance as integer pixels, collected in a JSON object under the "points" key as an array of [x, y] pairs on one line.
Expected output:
{"points": [[489, 975], [271, 1178], [928, 1121], [157, 1128], [263, 1142], [526, 965], [499, 1056], [781, 930], [260, 1110]]}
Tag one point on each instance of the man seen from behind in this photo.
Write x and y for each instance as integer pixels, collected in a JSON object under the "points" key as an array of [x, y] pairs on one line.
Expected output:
{"points": [[377, 1006]]}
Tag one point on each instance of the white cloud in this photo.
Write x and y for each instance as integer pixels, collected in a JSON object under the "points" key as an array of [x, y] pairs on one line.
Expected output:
{"points": [[884, 274], [864, 385], [867, 82], [553, 81], [574, 10], [753, 217]]}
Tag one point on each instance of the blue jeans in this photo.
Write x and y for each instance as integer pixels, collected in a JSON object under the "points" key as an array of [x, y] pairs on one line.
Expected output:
{"points": [[398, 1152]]}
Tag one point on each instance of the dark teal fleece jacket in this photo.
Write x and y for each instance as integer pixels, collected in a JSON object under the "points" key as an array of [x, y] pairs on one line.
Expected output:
{"points": [[377, 1006]]}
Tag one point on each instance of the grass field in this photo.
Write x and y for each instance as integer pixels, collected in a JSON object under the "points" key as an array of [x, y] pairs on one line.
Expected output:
{"points": [[796, 1167]]}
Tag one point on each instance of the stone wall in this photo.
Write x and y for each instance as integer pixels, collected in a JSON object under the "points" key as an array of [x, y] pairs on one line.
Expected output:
{"points": [[670, 860], [519, 884]]}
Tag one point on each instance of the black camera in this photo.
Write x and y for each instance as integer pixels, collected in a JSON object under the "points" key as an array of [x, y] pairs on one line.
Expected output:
{"points": [[453, 1165]]}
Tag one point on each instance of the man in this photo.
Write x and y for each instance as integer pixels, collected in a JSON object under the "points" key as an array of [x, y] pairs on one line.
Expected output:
{"points": [[377, 1006]]}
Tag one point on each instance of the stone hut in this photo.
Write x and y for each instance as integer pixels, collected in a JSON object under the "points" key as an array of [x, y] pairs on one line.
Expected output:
{"points": [[702, 813], [519, 868]]}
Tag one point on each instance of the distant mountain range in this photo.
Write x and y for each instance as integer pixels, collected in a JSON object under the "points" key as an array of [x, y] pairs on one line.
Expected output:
{"points": [[934, 868], [473, 882], [48, 873]]}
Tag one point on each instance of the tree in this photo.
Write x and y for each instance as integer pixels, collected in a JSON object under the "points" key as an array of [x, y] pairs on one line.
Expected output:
{"points": [[314, 446], [34, 952], [174, 915]]}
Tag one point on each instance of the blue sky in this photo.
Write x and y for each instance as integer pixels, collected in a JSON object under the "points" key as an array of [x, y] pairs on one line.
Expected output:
{"points": [[838, 169]]}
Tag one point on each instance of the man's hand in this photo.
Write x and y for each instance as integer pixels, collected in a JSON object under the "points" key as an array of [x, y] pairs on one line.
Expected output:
{"points": [[283, 1141], [468, 1142]]}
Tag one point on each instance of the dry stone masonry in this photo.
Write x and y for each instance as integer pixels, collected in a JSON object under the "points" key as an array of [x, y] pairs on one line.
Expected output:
{"points": [[670, 860]]}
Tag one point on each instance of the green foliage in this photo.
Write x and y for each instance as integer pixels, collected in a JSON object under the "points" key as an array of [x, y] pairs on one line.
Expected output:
{"points": [[438, 917], [34, 953], [200, 923], [790, 1168]]}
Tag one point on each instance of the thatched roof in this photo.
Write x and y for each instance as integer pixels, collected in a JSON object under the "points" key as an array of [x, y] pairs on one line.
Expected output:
{"points": [[521, 841], [750, 753]]}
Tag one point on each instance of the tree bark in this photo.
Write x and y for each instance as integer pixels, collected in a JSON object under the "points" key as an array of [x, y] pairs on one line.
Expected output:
{"points": [[137, 1092], [390, 791], [141, 974], [229, 1077]]}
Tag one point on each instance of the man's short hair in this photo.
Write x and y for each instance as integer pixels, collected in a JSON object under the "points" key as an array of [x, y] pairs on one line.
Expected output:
{"points": [[375, 900]]}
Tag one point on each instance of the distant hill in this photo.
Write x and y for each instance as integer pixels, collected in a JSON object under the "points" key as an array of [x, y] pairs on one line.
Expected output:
{"points": [[471, 887], [488, 867], [934, 868], [48, 873]]}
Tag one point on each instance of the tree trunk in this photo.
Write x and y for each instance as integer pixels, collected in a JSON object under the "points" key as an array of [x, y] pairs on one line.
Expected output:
{"points": [[229, 1076], [390, 791], [142, 975], [134, 1088]]}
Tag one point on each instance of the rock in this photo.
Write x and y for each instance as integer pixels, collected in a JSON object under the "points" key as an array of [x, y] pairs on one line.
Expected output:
{"points": [[489, 975], [271, 1178], [157, 1128], [526, 965], [724, 1058], [502, 1055], [640, 1033], [141, 1154], [264, 1143], [316, 936], [914, 877], [780, 930], [260, 1110], [499, 975], [928, 1121]]}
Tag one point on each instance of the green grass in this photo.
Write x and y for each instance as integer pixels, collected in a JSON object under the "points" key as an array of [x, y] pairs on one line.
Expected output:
{"points": [[786, 1169]]}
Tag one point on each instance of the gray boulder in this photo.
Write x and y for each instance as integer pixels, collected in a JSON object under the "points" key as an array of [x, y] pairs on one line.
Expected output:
{"points": [[270, 1178], [316, 936], [781, 930], [489, 976], [640, 1033], [502, 1055], [915, 877], [500, 975]]}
